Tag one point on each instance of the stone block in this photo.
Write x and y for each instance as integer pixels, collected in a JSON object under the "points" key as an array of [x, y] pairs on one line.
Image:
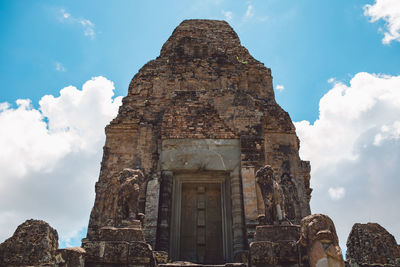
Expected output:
{"points": [[115, 252], [160, 256], [121, 234], [71, 257], [275, 233], [276, 253], [140, 253]]}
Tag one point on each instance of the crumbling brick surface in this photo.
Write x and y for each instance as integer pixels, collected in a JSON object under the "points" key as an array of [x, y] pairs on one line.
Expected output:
{"points": [[371, 244], [34, 242], [204, 85]]}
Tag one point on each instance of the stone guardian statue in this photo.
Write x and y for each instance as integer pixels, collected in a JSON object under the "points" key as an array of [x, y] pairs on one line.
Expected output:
{"points": [[272, 195], [128, 197]]}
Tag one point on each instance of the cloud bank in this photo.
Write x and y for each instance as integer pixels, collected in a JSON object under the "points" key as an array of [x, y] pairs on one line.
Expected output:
{"points": [[354, 149], [51, 157], [389, 11]]}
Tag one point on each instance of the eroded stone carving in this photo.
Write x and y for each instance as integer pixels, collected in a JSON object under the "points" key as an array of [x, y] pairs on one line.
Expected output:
{"points": [[128, 197], [318, 235], [290, 194], [272, 195]]}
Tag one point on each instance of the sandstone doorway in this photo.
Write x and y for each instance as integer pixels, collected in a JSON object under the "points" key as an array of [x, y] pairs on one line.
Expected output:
{"points": [[201, 223], [201, 230]]}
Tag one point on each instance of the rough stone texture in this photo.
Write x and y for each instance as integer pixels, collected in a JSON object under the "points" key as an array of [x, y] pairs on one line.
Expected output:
{"points": [[118, 253], [118, 246], [70, 257], [347, 264], [203, 86], [272, 195], [318, 235], [161, 257], [371, 244], [189, 264], [109, 233], [34, 242], [277, 233], [276, 245], [151, 210], [128, 197]]}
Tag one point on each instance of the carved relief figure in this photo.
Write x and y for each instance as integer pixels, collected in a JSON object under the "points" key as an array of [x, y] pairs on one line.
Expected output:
{"points": [[291, 199], [272, 195], [128, 196]]}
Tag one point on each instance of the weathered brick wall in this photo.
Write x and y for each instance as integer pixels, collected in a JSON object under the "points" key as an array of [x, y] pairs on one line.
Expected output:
{"points": [[204, 84]]}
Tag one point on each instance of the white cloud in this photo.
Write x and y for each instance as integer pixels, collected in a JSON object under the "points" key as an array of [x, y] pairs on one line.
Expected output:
{"points": [[228, 15], [250, 16], [389, 11], [51, 157], [60, 67], [280, 87], [336, 193], [249, 12], [354, 149], [387, 132], [87, 25]]}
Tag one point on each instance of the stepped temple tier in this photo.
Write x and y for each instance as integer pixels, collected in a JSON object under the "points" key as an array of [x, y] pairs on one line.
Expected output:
{"points": [[200, 166]]}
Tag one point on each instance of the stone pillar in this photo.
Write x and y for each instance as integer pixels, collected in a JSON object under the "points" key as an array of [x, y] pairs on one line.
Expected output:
{"points": [[151, 211], [250, 201], [164, 213], [237, 215]]}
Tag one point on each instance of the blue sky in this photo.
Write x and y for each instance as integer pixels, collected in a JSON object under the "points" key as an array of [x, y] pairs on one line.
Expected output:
{"points": [[329, 62], [304, 43]]}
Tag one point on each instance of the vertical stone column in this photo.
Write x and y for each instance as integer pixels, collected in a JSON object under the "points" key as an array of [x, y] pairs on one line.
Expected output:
{"points": [[164, 213], [237, 215], [250, 200], [151, 211]]}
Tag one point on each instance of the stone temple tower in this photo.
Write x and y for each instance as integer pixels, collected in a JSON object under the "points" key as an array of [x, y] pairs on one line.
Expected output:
{"points": [[196, 125]]}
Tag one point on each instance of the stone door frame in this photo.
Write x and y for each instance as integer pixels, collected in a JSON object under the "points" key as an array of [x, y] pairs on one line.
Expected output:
{"points": [[219, 177]]}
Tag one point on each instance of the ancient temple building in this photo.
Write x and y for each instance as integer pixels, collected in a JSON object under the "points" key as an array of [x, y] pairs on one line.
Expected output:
{"points": [[201, 168], [198, 122]]}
